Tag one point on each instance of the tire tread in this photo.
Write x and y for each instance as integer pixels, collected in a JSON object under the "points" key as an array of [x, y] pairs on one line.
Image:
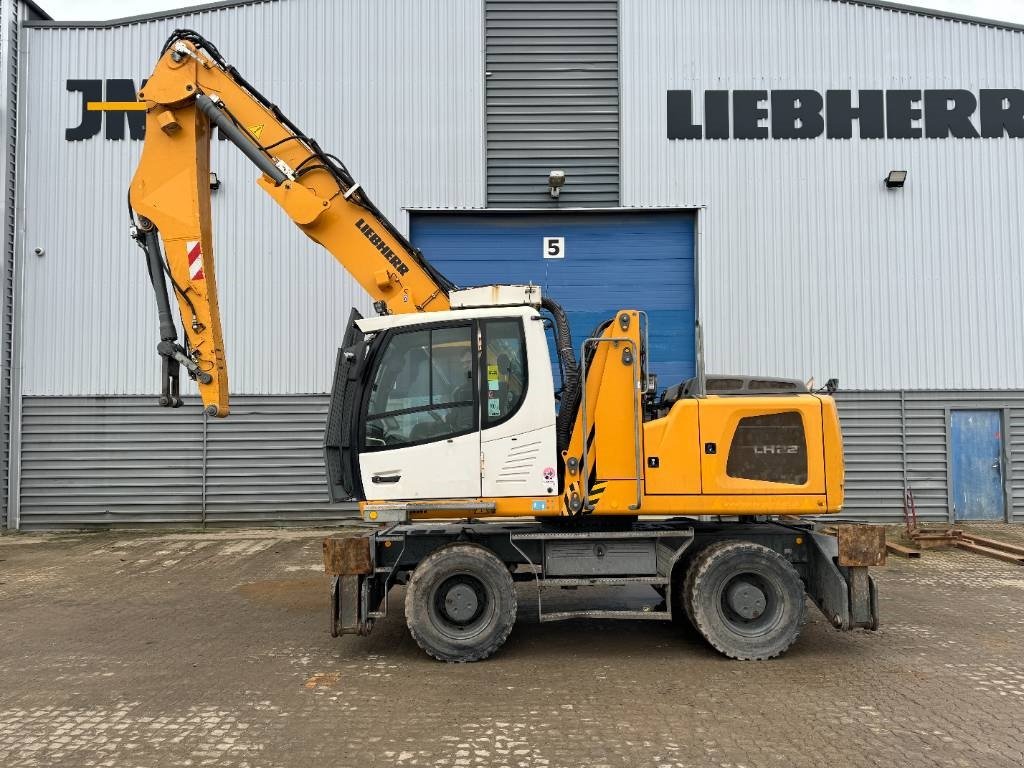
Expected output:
{"points": [[698, 571], [412, 595]]}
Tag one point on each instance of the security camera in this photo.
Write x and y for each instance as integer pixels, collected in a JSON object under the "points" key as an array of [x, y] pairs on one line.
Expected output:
{"points": [[556, 179]]}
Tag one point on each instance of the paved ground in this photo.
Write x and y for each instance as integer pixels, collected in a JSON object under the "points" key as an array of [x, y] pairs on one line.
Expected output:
{"points": [[213, 649]]}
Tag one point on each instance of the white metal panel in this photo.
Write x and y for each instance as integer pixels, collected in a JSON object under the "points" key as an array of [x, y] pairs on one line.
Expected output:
{"points": [[809, 267], [393, 88]]}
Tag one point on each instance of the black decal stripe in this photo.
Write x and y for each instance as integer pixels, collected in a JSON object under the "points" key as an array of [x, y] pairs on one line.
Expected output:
{"points": [[592, 477]]}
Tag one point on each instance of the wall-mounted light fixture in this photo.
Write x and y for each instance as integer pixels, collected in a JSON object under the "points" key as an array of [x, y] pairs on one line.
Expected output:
{"points": [[556, 180], [895, 179], [214, 181]]}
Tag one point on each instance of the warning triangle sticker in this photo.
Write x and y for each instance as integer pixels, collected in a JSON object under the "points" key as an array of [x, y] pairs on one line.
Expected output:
{"points": [[256, 130]]}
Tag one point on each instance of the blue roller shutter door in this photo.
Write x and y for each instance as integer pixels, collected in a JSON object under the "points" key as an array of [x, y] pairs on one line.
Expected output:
{"points": [[612, 261]]}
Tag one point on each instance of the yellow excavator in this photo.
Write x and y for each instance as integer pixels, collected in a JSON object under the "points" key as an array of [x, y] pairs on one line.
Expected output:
{"points": [[446, 427]]}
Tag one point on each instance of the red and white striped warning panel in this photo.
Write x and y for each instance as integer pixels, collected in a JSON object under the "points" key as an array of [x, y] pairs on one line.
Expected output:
{"points": [[195, 259]]}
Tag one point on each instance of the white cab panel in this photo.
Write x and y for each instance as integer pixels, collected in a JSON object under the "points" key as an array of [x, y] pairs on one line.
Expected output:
{"points": [[445, 469], [519, 455]]}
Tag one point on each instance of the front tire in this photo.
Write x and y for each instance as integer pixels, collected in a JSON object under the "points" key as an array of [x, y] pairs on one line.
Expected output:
{"points": [[460, 604], [745, 599]]}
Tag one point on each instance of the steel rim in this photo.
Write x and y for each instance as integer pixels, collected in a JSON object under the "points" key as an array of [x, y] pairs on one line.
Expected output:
{"points": [[750, 605], [461, 606]]}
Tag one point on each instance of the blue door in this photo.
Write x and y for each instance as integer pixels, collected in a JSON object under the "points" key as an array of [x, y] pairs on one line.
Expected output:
{"points": [[592, 263], [976, 447]]}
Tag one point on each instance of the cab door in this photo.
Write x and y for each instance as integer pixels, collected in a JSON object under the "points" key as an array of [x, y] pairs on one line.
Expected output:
{"points": [[518, 444], [420, 432]]}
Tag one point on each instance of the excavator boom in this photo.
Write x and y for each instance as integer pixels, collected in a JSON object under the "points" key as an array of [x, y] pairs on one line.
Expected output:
{"points": [[192, 89]]}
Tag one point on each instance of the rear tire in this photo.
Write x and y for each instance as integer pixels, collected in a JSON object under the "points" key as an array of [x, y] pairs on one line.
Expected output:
{"points": [[745, 599], [460, 604], [680, 609]]}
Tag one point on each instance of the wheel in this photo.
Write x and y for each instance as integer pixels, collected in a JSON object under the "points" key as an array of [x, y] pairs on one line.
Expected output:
{"points": [[745, 599], [460, 603], [680, 609], [683, 594]]}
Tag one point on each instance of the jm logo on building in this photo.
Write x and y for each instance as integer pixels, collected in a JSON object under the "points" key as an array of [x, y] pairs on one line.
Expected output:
{"points": [[110, 107], [898, 114]]}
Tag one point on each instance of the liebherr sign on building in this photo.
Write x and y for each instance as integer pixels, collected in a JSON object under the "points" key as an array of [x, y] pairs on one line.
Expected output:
{"points": [[990, 113]]}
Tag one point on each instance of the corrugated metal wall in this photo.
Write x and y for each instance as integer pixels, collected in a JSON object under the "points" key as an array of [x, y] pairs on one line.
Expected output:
{"points": [[10, 16], [552, 101], [897, 439], [109, 462], [808, 265], [121, 461], [393, 88], [116, 461], [873, 449], [265, 463]]}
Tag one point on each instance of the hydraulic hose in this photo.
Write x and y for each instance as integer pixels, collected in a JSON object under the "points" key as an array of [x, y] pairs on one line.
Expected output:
{"points": [[571, 372]]}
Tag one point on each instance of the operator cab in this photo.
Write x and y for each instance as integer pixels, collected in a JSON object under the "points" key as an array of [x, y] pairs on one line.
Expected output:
{"points": [[418, 399]]}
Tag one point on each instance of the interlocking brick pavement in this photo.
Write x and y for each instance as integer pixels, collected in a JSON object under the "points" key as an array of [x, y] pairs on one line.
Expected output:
{"points": [[213, 649]]}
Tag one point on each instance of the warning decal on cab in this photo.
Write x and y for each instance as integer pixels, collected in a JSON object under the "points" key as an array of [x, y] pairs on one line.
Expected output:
{"points": [[195, 259]]}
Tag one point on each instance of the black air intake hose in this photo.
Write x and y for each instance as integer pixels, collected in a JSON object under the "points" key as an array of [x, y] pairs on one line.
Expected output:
{"points": [[570, 371]]}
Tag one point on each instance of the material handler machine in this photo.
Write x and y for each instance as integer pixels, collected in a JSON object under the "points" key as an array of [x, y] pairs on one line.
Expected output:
{"points": [[446, 427]]}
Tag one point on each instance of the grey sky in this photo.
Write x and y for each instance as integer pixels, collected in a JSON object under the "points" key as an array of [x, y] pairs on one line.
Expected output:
{"points": [[1007, 10]]}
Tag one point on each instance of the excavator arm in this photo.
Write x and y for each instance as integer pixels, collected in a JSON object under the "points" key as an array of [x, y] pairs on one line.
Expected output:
{"points": [[192, 89]]}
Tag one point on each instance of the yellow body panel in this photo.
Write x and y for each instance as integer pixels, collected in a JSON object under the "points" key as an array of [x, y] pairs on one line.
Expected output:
{"points": [[832, 437], [719, 417], [674, 443]]}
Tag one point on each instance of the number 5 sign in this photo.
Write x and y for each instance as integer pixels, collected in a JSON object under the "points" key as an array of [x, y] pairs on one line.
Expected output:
{"points": [[554, 247]]}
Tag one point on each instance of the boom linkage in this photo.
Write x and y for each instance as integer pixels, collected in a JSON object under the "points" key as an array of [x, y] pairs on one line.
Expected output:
{"points": [[191, 89]]}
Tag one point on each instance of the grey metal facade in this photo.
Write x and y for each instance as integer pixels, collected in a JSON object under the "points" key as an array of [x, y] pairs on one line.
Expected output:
{"points": [[120, 461], [552, 101], [117, 461], [12, 12], [900, 439], [810, 266], [9, 29], [807, 265]]}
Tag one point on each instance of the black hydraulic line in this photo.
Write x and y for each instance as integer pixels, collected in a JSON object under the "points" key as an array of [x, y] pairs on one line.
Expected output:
{"points": [[154, 262], [238, 137], [168, 348], [566, 418], [169, 388]]}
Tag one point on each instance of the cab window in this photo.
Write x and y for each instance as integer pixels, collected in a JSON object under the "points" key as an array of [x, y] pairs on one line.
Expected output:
{"points": [[504, 379], [422, 389]]}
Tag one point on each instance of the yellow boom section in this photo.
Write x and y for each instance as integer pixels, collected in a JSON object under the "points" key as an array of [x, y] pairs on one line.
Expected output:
{"points": [[190, 89]]}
